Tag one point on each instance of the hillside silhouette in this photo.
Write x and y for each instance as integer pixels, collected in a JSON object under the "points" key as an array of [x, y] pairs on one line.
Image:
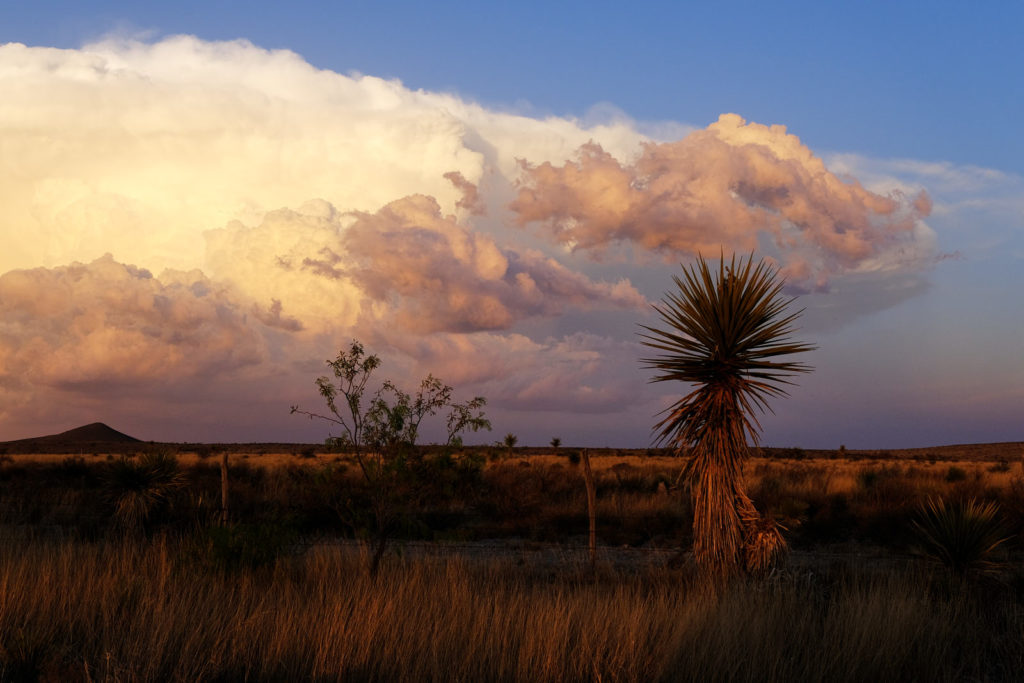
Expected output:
{"points": [[95, 436]]}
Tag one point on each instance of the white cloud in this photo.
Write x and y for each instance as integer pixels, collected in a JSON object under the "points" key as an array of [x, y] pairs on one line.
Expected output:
{"points": [[178, 157]]}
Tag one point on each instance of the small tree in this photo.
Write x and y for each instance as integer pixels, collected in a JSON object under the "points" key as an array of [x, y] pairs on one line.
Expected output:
{"points": [[721, 334], [556, 442], [382, 433]]}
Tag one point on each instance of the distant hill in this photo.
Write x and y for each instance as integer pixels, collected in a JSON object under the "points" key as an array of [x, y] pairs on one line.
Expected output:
{"points": [[95, 436]]}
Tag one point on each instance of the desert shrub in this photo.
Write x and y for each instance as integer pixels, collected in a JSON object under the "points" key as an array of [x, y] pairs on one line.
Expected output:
{"points": [[884, 483], [1012, 504], [793, 453], [1001, 466], [573, 457], [831, 520], [961, 536], [625, 477], [74, 471], [955, 473], [137, 490], [246, 546], [767, 489]]}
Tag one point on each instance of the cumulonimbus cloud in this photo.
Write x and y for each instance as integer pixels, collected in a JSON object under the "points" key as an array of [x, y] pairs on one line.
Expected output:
{"points": [[735, 186], [138, 148], [107, 324], [406, 264], [177, 157]]}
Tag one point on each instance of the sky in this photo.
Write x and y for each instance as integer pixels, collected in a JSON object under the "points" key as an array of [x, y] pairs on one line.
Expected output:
{"points": [[200, 205]]}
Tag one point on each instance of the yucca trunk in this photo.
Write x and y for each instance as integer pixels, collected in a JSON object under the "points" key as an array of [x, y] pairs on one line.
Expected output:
{"points": [[729, 534]]}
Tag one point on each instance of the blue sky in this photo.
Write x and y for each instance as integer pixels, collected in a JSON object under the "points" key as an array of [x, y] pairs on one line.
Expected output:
{"points": [[923, 80], [920, 343]]}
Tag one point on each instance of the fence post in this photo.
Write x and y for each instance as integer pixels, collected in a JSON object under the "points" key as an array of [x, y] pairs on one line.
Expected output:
{"points": [[588, 476], [224, 488]]}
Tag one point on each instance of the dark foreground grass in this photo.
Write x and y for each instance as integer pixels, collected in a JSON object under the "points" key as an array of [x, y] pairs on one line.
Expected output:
{"points": [[157, 610]]}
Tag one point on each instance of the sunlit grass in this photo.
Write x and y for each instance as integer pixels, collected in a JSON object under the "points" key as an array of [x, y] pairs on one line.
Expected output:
{"points": [[79, 611]]}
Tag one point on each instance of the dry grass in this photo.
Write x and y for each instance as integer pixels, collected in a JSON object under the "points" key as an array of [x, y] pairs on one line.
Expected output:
{"points": [[75, 611], [119, 609]]}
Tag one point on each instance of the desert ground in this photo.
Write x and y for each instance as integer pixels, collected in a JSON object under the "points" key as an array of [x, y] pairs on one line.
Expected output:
{"points": [[118, 563]]}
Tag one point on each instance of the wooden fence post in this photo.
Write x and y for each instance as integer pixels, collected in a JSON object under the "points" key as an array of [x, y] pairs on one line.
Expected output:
{"points": [[588, 476], [224, 488]]}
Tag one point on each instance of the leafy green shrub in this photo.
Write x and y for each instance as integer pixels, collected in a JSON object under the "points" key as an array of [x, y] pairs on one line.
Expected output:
{"points": [[961, 536]]}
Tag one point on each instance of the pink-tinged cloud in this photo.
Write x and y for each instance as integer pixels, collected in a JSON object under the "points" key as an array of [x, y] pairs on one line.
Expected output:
{"points": [[442, 276], [576, 373], [471, 200], [406, 265], [103, 324], [736, 186]]}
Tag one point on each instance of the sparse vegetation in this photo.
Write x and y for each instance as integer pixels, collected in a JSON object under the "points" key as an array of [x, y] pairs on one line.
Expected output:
{"points": [[190, 600]]}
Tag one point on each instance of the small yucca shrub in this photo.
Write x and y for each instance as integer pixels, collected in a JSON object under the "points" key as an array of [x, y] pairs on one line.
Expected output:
{"points": [[961, 536], [137, 489]]}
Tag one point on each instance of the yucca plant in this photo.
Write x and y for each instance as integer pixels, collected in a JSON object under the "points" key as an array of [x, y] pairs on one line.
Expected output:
{"points": [[722, 333], [961, 536], [137, 489]]}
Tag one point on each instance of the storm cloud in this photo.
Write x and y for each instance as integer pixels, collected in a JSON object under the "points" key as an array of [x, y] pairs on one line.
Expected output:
{"points": [[183, 218]]}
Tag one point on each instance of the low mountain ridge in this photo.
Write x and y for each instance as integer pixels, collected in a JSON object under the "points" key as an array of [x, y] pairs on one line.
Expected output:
{"points": [[86, 436]]}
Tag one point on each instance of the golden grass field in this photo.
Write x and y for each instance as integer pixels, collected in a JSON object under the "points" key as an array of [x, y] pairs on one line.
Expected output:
{"points": [[273, 596], [148, 611]]}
